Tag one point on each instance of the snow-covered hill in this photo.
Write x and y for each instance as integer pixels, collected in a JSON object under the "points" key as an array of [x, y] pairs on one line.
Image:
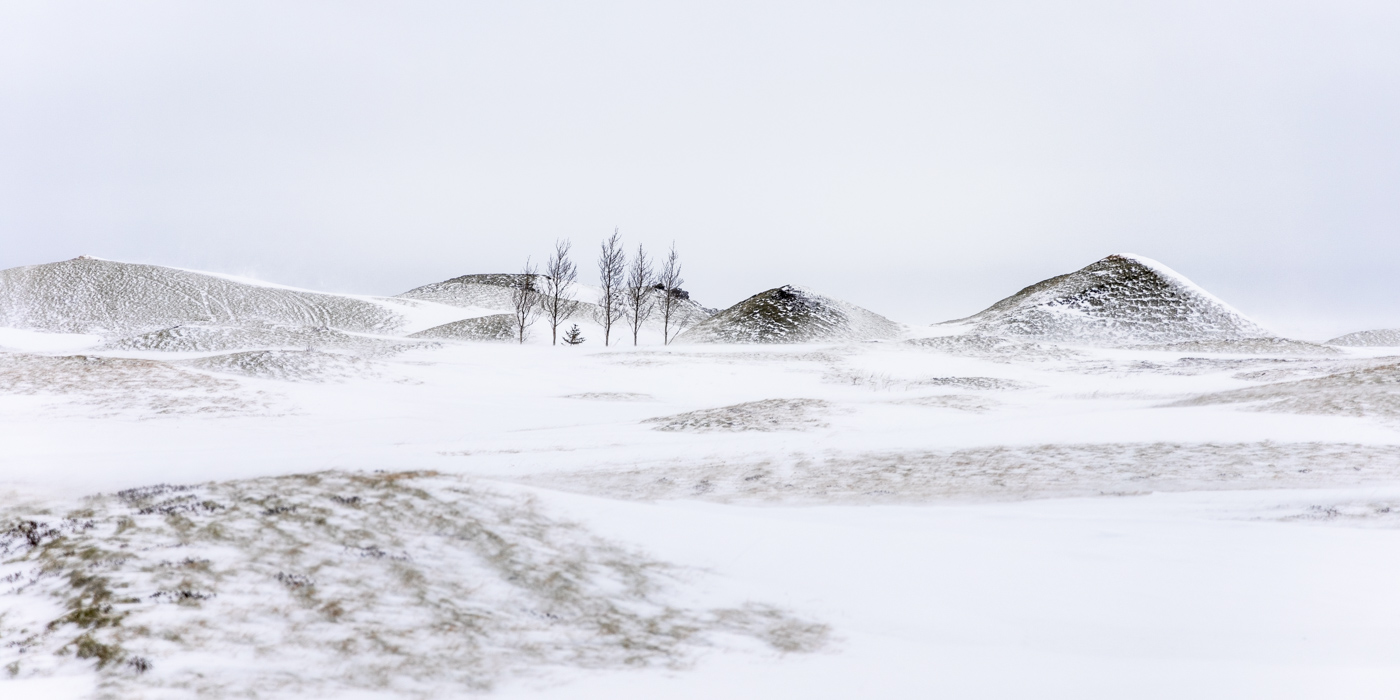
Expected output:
{"points": [[493, 291], [1387, 338], [486, 291], [791, 314], [1119, 300], [496, 327], [90, 295]]}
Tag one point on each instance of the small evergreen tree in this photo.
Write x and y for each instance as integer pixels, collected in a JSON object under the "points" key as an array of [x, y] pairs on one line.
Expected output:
{"points": [[574, 336]]}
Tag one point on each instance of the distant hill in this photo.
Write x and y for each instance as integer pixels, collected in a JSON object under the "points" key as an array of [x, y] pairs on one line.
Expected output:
{"points": [[1119, 300], [492, 291], [90, 295], [1389, 338], [488, 291], [496, 327], [790, 315]]}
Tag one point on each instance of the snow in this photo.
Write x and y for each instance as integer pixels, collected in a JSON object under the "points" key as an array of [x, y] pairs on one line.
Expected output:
{"points": [[42, 341], [941, 515], [1147, 597], [790, 314], [1379, 338], [1181, 281], [87, 295], [1119, 300]]}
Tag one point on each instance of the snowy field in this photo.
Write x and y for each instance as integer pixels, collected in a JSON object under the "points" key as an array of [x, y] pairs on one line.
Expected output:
{"points": [[923, 516]]}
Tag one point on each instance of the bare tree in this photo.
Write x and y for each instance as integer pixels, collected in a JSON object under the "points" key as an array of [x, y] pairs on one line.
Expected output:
{"points": [[556, 299], [524, 299], [669, 282], [612, 265], [639, 297]]}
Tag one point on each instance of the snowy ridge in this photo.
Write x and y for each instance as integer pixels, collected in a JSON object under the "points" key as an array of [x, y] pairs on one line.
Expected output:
{"points": [[88, 295], [1119, 300], [790, 314], [1179, 280]]}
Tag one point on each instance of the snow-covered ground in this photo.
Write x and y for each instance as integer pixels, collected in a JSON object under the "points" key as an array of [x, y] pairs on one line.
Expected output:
{"points": [[928, 517]]}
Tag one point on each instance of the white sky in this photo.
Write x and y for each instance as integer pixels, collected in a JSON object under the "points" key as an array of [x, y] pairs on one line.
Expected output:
{"points": [[922, 159]]}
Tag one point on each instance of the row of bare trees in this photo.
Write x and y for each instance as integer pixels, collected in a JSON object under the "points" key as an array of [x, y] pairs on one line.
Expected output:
{"points": [[628, 295]]}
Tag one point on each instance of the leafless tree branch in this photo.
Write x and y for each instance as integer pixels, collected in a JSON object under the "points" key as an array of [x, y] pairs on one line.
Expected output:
{"points": [[670, 281], [639, 297], [524, 299], [612, 266], [556, 299]]}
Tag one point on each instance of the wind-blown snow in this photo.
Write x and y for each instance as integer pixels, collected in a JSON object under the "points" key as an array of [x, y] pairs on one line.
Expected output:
{"points": [[980, 514], [333, 582], [255, 336]]}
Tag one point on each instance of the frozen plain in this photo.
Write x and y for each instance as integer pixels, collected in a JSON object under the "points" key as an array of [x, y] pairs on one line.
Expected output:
{"points": [[1066, 523]]}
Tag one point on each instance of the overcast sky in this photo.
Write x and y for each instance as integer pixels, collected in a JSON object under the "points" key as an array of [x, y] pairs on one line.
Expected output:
{"points": [[923, 159]]}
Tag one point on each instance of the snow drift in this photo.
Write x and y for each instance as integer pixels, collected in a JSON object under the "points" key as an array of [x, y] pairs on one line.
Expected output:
{"points": [[255, 336], [330, 583]]}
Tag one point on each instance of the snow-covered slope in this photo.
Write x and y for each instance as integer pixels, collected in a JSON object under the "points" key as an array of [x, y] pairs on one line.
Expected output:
{"points": [[402, 576], [89, 295], [1388, 338], [197, 338], [974, 516], [494, 327], [492, 291], [790, 314], [1119, 300], [488, 291]]}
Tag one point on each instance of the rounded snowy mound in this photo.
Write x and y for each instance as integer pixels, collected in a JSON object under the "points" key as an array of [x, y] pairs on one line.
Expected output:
{"points": [[790, 315], [496, 327], [490, 291], [88, 295], [1389, 338], [1120, 300]]}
